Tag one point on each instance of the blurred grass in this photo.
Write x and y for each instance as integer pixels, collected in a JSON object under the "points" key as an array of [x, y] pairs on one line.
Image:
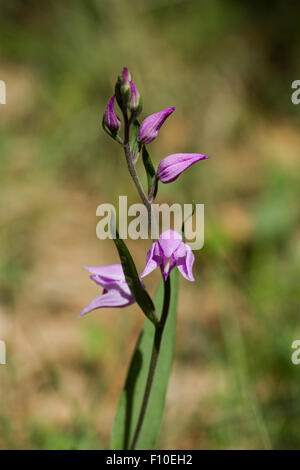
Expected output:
{"points": [[227, 67]]}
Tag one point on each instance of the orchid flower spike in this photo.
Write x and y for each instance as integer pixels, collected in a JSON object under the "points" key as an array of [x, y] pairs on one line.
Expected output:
{"points": [[172, 166], [168, 251], [110, 119], [116, 292], [151, 125]]}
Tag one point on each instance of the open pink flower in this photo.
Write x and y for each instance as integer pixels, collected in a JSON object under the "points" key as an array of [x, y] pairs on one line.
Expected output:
{"points": [[172, 166], [168, 251], [116, 292], [151, 125]]}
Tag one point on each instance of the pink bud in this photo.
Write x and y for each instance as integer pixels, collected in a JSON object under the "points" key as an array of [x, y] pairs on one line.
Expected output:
{"points": [[110, 119], [172, 166], [151, 125]]}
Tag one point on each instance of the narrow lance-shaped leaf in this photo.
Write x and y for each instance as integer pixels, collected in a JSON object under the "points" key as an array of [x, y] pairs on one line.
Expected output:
{"points": [[132, 278], [132, 395], [151, 175]]}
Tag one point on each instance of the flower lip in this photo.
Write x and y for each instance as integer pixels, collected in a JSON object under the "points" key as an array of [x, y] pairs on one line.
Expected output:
{"points": [[151, 125], [171, 167]]}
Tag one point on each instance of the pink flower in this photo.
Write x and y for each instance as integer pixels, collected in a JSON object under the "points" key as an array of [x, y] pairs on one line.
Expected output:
{"points": [[169, 251], [110, 119], [151, 125], [172, 166], [116, 292], [135, 103]]}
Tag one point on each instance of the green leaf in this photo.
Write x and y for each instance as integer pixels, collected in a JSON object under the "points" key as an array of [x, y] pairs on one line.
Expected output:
{"points": [[151, 174], [132, 395], [134, 144], [132, 278]]}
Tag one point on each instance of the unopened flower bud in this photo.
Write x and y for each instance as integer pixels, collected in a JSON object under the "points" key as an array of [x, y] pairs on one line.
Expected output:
{"points": [[173, 165], [123, 89], [151, 125], [110, 119], [135, 104]]}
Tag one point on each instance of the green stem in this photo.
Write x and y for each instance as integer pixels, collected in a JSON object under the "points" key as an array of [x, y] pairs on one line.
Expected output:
{"points": [[132, 170], [159, 330]]}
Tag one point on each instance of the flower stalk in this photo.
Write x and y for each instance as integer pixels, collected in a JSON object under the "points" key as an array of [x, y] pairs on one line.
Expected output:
{"points": [[130, 164], [159, 330]]}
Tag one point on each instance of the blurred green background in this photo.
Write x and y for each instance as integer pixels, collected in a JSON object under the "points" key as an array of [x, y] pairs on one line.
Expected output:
{"points": [[227, 67]]}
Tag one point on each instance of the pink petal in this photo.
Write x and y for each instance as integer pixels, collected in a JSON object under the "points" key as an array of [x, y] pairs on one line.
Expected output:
{"points": [[108, 284], [113, 298], [112, 272], [185, 258], [168, 242], [154, 259]]}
